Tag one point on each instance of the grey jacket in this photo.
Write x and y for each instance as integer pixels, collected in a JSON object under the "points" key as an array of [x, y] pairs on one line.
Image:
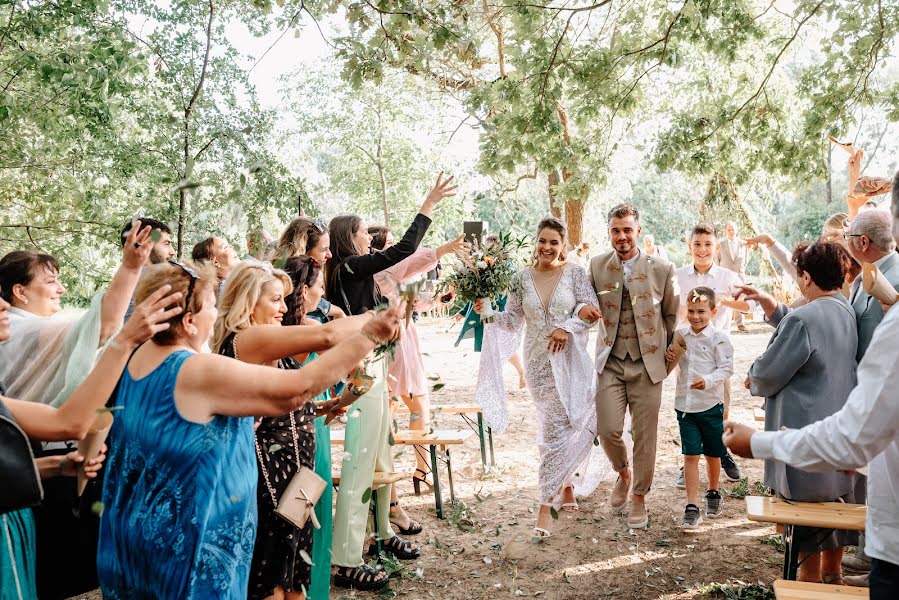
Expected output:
{"points": [[868, 312], [805, 375]]}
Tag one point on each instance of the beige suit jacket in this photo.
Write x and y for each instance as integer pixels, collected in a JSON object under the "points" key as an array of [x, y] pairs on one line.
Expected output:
{"points": [[652, 286], [734, 262]]}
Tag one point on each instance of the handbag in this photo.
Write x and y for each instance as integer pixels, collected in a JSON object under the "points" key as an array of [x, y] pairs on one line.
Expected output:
{"points": [[19, 477], [297, 503]]}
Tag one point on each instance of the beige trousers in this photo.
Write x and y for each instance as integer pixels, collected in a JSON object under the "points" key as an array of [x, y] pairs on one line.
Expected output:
{"points": [[625, 385]]}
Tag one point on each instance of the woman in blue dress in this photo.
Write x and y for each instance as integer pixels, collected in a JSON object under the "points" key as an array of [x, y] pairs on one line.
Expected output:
{"points": [[179, 500]]}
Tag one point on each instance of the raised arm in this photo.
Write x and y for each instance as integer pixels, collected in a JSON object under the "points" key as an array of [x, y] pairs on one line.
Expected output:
{"points": [[367, 265], [73, 419], [264, 344], [115, 301], [211, 385], [788, 351]]}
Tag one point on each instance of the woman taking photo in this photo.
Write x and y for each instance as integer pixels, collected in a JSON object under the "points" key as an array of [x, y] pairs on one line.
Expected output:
{"points": [[558, 368], [805, 375], [179, 498], [252, 308]]}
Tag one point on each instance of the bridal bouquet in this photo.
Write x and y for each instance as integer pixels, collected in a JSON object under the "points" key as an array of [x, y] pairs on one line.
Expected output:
{"points": [[486, 271]]}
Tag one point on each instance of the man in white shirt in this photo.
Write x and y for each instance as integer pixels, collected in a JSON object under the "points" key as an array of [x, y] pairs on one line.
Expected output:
{"points": [[705, 273], [733, 255], [864, 432], [649, 245]]}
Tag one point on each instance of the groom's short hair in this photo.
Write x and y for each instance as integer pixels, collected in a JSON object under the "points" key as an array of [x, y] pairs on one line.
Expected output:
{"points": [[622, 211]]}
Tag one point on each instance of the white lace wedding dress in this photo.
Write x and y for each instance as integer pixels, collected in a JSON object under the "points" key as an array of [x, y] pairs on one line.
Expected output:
{"points": [[561, 384]]}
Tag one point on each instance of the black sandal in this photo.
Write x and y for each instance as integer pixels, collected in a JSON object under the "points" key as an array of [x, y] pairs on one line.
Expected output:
{"points": [[417, 481], [363, 578], [414, 527], [400, 548]]}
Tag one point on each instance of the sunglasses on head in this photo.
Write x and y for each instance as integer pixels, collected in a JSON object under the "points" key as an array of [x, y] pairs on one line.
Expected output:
{"points": [[319, 224], [190, 286]]}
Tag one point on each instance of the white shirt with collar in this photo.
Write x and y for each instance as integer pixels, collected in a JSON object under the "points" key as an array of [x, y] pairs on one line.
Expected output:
{"points": [[864, 432], [709, 355], [719, 279], [628, 264]]}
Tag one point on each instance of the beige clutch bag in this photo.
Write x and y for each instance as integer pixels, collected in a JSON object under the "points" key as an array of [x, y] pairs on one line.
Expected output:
{"points": [[297, 503]]}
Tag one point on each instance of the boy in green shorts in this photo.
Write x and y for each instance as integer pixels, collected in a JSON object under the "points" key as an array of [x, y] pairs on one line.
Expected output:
{"points": [[699, 401]]}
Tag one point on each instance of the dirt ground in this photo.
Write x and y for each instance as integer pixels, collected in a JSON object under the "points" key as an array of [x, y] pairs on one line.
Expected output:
{"points": [[483, 550]]}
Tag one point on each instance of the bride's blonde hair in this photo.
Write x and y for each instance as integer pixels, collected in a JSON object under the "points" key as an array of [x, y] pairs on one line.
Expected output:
{"points": [[243, 288]]}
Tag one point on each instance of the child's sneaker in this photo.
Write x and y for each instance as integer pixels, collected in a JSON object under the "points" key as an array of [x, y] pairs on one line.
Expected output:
{"points": [[712, 504], [680, 483], [692, 517]]}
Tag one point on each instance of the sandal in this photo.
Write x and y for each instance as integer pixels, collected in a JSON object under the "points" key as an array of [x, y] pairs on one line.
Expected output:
{"points": [[413, 528], [417, 481], [541, 533], [570, 506], [397, 546], [363, 577]]}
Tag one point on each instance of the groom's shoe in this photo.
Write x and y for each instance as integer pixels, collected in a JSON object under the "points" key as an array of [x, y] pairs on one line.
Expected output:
{"points": [[638, 517], [620, 493]]}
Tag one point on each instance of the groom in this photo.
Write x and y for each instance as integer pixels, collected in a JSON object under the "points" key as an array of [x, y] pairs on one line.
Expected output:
{"points": [[638, 304]]}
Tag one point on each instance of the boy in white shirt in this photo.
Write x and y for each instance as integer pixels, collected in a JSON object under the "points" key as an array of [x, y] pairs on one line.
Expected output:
{"points": [[699, 401]]}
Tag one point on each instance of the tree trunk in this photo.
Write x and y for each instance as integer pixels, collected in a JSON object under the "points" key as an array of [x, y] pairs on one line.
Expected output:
{"points": [[182, 212], [555, 208], [829, 174], [574, 219], [379, 164]]}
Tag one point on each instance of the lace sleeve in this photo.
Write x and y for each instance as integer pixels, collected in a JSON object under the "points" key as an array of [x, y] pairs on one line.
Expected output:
{"points": [[512, 317], [584, 295]]}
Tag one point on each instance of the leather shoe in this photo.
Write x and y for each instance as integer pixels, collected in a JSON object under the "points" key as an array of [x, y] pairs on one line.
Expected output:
{"points": [[620, 493], [857, 580], [638, 517]]}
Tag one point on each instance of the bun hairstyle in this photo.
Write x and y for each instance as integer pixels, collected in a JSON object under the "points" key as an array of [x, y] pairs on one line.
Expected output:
{"points": [[303, 271], [559, 227], [242, 292]]}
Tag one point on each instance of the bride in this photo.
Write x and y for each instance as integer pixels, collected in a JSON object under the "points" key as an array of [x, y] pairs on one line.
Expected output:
{"points": [[558, 369]]}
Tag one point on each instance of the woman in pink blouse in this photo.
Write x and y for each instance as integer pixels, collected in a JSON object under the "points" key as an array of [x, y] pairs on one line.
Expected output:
{"points": [[407, 373]]}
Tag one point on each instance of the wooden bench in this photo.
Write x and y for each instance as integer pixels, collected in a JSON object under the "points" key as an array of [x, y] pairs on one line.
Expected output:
{"points": [[463, 410], [758, 414], [443, 438], [827, 515], [800, 590]]}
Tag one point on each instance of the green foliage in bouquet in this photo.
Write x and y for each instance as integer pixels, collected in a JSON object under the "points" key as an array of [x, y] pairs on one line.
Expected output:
{"points": [[486, 270]]}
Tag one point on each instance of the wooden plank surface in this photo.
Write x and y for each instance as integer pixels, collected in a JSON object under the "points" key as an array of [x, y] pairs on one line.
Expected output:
{"points": [[380, 479], [758, 414], [835, 515], [453, 409], [449, 437], [799, 590]]}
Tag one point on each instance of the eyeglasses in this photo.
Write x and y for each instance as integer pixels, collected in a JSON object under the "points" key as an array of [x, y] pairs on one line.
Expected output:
{"points": [[846, 236], [190, 286]]}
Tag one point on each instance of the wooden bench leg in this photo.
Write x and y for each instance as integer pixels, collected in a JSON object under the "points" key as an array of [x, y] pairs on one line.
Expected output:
{"points": [[791, 554], [449, 474], [438, 501], [490, 437], [374, 508], [483, 442]]}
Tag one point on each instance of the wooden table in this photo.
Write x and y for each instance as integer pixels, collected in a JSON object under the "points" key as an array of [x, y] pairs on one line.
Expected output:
{"points": [[444, 439], [827, 515], [758, 414], [799, 590], [463, 410]]}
